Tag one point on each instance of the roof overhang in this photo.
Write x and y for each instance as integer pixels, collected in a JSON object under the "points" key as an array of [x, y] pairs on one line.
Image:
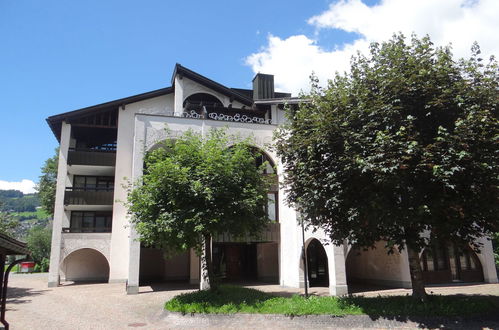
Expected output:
{"points": [[9, 245], [184, 72], [55, 122]]}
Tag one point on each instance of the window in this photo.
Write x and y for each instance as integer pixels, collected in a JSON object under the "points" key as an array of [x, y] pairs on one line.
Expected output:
{"points": [[269, 166], [91, 222], [272, 210], [95, 183], [434, 258]]}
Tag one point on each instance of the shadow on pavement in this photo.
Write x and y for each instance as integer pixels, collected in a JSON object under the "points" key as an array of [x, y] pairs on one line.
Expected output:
{"points": [[148, 287], [17, 295], [373, 307]]}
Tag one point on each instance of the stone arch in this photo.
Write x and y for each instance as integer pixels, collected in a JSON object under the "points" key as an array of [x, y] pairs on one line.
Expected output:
{"points": [[376, 267], [85, 264], [199, 96], [99, 245], [313, 268], [317, 264]]}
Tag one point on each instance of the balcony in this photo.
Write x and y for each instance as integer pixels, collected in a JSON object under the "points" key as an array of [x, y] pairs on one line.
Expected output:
{"points": [[92, 157], [87, 230], [88, 197], [271, 234]]}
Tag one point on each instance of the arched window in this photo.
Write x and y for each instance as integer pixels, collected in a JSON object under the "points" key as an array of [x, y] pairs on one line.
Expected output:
{"points": [[196, 102], [450, 263], [272, 207]]}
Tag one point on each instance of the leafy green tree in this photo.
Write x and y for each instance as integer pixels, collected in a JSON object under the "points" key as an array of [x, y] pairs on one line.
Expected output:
{"points": [[38, 241], [194, 188], [47, 185], [402, 146], [8, 224]]}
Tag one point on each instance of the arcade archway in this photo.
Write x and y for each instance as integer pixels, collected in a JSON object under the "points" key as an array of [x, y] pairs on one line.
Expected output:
{"points": [[317, 264], [85, 265]]}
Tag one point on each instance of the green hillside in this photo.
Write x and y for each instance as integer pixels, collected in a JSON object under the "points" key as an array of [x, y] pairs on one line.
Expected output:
{"points": [[16, 201], [23, 210]]}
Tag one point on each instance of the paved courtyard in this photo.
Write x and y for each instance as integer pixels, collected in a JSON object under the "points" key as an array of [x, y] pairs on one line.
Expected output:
{"points": [[32, 305]]}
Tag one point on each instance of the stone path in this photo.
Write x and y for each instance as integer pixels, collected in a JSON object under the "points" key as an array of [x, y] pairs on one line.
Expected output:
{"points": [[32, 305]]}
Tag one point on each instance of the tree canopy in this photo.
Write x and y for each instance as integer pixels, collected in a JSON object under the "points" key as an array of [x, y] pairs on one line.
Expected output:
{"points": [[47, 185], [194, 188], [401, 149], [8, 224], [38, 241]]}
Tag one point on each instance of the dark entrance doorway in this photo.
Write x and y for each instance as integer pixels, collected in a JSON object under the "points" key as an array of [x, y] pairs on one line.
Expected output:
{"points": [[235, 261], [446, 264], [318, 274]]}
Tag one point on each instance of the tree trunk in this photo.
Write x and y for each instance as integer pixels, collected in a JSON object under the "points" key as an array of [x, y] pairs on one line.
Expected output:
{"points": [[208, 264], [418, 288]]}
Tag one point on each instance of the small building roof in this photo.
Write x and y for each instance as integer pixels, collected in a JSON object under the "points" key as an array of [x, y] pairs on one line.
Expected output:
{"points": [[9, 245]]}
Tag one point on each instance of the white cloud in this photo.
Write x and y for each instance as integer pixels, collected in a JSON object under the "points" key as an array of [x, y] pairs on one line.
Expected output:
{"points": [[460, 22], [26, 186]]}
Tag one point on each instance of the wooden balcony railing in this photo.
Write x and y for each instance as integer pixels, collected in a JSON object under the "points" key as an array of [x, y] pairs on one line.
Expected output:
{"points": [[91, 157], [86, 197], [87, 230], [271, 234]]}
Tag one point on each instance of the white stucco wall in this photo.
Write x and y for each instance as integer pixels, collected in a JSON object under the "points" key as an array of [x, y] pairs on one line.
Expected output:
{"points": [[59, 213]]}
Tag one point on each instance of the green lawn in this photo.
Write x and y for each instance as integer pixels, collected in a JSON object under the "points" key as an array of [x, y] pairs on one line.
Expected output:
{"points": [[233, 299], [39, 214]]}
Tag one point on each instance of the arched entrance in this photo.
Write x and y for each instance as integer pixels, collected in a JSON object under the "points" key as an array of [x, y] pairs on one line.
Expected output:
{"points": [[252, 258], [85, 265], [376, 267], [446, 264], [318, 274]]}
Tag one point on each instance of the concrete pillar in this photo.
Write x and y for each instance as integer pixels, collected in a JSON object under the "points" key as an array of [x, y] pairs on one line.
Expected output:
{"points": [[337, 271], [119, 259], [62, 173], [136, 170], [132, 286], [194, 273], [487, 260]]}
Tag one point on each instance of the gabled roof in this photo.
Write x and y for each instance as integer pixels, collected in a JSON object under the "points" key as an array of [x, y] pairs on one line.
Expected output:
{"points": [[233, 93], [245, 96], [56, 120]]}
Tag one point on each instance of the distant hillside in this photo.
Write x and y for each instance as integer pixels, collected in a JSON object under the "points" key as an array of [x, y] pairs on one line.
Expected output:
{"points": [[24, 208], [16, 201]]}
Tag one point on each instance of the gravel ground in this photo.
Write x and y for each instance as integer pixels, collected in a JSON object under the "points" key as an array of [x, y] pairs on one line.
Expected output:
{"points": [[32, 305]]}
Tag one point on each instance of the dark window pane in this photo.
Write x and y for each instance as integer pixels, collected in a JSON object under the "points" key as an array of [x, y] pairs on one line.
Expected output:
{"points": [[76, 220], [91, 182], [271, 207], [429, 260], [79, 181]]}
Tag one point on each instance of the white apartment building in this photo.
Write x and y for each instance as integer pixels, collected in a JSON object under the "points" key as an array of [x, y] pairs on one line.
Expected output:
{"points": [[102, 149]]}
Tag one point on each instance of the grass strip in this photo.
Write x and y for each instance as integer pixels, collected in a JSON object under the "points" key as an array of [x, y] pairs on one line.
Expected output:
{"points": [[234, 299]]}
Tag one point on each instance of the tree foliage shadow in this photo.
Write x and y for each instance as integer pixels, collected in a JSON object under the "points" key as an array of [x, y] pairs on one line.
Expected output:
{"points": [[17, 295], [160, 286], [450, 312]]}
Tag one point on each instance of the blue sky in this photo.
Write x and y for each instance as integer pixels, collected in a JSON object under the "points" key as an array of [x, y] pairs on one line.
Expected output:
{"points": [[58, 56]]}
